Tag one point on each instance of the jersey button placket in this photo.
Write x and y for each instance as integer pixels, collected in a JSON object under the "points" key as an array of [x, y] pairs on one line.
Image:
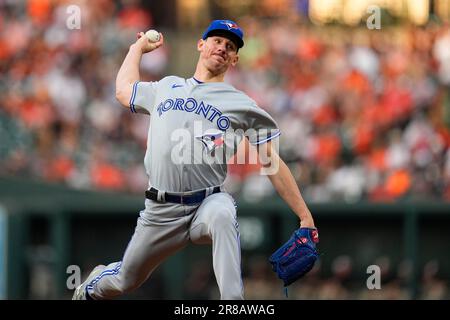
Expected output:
{"points": [[183, 168]]}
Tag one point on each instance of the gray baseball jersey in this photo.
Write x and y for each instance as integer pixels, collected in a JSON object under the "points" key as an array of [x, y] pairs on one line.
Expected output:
{"points": [[191, 118], [185, 115]]}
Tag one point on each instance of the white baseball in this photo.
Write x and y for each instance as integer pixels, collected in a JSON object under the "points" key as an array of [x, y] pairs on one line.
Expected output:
{"points": [[152, 35]]}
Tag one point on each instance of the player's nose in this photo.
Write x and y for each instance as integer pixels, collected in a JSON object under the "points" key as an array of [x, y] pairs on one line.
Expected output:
{"points": [[221, 51], [221, 47]]}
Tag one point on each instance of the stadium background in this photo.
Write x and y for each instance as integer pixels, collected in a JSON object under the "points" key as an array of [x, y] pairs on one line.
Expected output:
{"points": [[365, 120]]}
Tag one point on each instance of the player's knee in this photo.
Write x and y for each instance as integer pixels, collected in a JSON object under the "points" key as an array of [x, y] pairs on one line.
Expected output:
{"points": [[199, 234], [224, 216]]}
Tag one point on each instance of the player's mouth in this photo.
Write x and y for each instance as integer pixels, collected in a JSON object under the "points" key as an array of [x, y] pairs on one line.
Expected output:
{"points": [[219, 57]]}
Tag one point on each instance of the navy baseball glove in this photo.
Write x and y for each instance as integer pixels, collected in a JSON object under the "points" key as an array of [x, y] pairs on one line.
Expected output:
{"points": [[297, 256]]}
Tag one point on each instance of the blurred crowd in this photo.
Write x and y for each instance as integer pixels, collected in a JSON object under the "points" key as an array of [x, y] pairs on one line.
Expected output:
{"points": [[364, 114], [59, 119], [340, 281]]}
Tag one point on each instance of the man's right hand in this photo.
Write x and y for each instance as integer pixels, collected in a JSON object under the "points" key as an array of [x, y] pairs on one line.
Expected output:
{"points": [[129, 70], [146, 45]]}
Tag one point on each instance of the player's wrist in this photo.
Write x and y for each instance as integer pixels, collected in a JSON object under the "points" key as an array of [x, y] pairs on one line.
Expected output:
{"points": [[135, 47], [307, 223]]}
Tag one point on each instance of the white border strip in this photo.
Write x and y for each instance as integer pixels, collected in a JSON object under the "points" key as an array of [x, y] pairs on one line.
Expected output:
{"points": [[3, 253]]}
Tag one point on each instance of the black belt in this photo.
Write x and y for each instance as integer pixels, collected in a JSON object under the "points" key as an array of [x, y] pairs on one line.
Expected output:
{"points": [[192, 198]]}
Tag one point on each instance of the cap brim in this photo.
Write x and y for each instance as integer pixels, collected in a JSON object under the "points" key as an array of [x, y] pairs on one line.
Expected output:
{"points": [[227, 34]]}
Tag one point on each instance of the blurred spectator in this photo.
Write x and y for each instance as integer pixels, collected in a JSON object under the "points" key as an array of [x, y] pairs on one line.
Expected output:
{"points": [[132, 15], [441, 51], [433, 287], [392, 284], [201, 284], [260, 280], [334, 287]]}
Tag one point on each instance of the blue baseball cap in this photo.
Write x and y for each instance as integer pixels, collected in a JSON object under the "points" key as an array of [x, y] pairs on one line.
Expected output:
{"points": [[224, 28]]}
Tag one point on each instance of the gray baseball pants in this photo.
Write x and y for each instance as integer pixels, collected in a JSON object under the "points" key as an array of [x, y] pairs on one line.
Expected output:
{"points": [[164, 228]]}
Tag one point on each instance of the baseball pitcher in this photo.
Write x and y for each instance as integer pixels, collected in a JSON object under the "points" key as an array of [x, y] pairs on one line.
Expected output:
{"points": [[187, 149]]}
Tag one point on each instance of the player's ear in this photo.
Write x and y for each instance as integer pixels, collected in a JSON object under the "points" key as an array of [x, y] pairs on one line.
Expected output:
{"points": [[200, 44], [235, 60]]}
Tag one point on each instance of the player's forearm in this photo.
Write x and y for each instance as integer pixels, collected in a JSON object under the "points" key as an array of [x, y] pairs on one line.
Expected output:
{"points": [[287, 188], [128, 74]]}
